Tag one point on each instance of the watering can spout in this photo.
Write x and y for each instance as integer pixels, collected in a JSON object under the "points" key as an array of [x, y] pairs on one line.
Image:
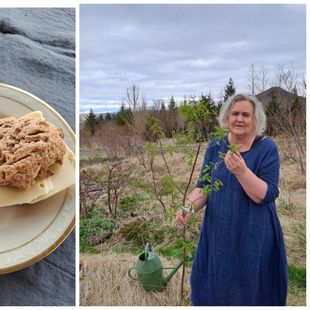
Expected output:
{"points": [[172, 273], [149, 271]]}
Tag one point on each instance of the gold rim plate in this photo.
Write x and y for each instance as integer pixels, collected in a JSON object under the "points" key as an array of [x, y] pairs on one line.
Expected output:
{"points": [[28, 233]]}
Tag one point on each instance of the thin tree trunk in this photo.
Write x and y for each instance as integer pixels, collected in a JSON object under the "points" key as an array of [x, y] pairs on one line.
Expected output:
{"points": [[184, 228]]}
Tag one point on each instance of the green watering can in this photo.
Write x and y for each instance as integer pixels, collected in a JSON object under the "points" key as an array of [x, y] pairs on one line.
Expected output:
{"points": [[149, 271]]}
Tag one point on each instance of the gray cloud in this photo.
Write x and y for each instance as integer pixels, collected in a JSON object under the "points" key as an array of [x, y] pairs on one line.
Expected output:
{"points": [[182, 50]]}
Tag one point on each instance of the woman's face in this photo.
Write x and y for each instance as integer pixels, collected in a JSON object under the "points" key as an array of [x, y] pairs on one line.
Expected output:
{"points": [[241, 118]]}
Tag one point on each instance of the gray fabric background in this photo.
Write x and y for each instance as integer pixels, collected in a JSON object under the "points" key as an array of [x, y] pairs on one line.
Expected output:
{"points": [[37, 54]]}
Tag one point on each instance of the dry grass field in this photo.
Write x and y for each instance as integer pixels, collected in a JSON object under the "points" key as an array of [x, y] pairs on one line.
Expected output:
{"points": [[103, 269], [105, 281]]}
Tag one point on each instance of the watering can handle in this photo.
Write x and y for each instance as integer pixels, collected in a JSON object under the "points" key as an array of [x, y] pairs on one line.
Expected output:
{"points": [[147, 249], [130, 275]]}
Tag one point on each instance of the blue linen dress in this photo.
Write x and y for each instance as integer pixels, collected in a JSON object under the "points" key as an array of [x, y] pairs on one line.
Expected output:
{"points": [[241, 259]]}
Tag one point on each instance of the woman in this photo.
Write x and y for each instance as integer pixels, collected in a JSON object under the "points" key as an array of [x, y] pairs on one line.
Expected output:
{"points": [[240, 259]]}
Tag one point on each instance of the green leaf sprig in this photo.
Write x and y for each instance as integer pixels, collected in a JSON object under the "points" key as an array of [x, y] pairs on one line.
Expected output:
{"points": [[216, 184]]}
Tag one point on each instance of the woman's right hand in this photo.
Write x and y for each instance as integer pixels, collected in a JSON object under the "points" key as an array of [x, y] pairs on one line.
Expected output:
{"points": [[181, 218]]}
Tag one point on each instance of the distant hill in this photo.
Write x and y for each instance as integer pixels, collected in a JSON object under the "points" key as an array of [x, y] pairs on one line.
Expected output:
{"points": [[281, 94]]}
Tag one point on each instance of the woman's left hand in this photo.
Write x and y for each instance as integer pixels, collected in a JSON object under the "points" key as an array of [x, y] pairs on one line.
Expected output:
{"points": [[235, 163]]}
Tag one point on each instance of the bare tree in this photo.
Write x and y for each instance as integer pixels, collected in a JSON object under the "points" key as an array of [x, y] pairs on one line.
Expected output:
{"points": [[117, 178], [133, 99], [143, 106], [289, 122], [303, 86], [157, 105], [252, 76], [262, 80], [110, 181], [257, 79], [90, 192], [137, 125], [287, 78], [115, 141]]}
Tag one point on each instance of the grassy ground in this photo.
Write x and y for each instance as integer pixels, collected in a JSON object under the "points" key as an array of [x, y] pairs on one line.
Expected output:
{"points": [[105, 281], [140, 218]]}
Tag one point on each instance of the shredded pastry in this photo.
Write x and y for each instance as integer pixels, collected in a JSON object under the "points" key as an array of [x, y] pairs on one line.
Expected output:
{"points": [[28, 150]]}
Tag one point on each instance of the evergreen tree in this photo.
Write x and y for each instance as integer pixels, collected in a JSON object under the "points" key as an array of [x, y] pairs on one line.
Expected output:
{"points": [[120, 116], [91, 121], [273, 106], [162, 108], [229, 89], [129, 116], [212, 111], [171, 125], [108, 117], [296, 107], [202, 113], [100, 119], [272, 111], [124, 116], [172, 104], [153, 129]]}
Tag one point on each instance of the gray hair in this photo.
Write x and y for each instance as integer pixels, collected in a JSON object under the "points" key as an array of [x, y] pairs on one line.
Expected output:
{"points": [[259, 113]]}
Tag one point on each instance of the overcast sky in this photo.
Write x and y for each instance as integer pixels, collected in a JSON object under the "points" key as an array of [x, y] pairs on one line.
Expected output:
{"points": [[183, 50]]}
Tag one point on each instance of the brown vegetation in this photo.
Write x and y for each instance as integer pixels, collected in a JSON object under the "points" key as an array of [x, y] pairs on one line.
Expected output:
{"points": [[105, 282]]}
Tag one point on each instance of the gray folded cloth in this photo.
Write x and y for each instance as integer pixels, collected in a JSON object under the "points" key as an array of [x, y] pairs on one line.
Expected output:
{"points": [[37, 54]]}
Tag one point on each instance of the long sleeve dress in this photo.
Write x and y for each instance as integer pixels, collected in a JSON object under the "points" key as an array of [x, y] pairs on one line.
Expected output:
{"points": [[240, 259]]}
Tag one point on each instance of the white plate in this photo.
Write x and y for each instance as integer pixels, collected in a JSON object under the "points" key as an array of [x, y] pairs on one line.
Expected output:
{"points": [[29, 233]]}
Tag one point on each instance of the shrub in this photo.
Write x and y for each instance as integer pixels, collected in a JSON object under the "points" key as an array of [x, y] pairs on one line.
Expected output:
{"points": [[176, 249], [128, 203], [297, 277], [140, 232], [94, 230]]}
